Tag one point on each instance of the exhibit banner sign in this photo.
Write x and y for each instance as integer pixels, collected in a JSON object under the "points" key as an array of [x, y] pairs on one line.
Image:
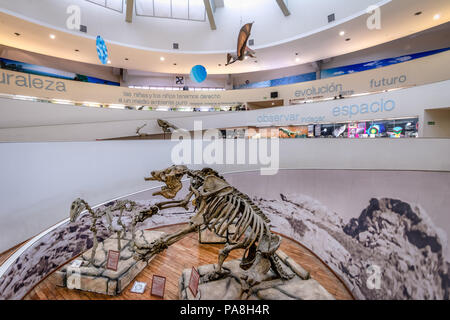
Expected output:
{"points": [[411, 73]]}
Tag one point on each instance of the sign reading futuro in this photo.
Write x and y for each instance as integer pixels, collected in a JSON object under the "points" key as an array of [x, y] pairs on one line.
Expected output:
{"points": [[365, 108]]}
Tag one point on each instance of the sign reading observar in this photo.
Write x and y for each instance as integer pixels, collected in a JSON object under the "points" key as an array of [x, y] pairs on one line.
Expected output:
{"points": [[113, 260]]}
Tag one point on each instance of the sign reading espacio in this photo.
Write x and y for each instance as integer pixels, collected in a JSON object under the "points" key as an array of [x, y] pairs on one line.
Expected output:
{"points": [[344, 111], [364, 108]]}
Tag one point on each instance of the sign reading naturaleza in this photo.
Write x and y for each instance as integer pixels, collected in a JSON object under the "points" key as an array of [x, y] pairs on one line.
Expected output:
{"points": [[11, 78]]}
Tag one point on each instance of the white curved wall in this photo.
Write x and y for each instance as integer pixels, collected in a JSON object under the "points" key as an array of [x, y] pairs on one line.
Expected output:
{"points": [[156, 33], [40, 180]]}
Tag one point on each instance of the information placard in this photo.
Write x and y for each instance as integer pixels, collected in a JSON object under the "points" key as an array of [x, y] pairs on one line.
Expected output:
{"points": [[194, 281], [113, 260], [158, 286]]}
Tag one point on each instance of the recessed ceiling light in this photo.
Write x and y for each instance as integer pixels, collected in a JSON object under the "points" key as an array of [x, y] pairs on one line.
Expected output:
{"points": [[418, 13], [437, 16], [297, 59], [76, 50], [126, 59], [162, 58], [17, 34], [348, 39], [342, 33], [175, 64], [52, 36], [109, 61], [220, 65]]}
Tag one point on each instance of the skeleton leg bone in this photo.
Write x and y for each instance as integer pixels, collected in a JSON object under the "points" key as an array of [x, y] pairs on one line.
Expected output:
{"points": [[163, 243], [175, 203], [223, 255]]}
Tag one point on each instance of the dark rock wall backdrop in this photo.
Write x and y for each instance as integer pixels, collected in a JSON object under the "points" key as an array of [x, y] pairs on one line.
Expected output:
{"points": [[383, 233]]}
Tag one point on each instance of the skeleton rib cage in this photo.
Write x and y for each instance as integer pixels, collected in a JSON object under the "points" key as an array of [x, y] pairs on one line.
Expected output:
{"points": [[237, 208]]}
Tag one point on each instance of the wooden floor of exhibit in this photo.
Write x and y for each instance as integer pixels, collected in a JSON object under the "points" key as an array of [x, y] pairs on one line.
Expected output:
{"points": [[186, 254]]}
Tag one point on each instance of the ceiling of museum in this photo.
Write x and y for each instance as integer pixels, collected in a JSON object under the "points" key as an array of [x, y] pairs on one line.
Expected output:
{"points": [[303, 35]]}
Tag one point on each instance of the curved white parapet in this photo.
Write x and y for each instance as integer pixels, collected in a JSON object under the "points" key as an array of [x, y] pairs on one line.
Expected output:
{"points": [[33, 121]]}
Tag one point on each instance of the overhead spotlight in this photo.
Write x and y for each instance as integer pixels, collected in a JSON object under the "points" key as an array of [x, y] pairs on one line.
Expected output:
{"points": [[418, 13], [52, 36], [126, 59], [348, 39], [162, 58], [17, 34], [76, 50], [342, 33], [297, 59], [437, 16]]}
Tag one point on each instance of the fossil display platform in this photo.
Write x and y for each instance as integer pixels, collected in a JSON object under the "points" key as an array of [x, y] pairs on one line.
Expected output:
{"points": [[300, 287], [97, 278]]}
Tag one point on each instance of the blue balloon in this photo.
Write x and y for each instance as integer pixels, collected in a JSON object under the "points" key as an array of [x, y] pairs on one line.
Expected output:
{"points": [[102, 50], [198, 73]]}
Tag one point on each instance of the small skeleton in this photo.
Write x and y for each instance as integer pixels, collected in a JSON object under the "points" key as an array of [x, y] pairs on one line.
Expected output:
{"points": [[166, 126], [80, 205], [219, 205], [138, 131]]}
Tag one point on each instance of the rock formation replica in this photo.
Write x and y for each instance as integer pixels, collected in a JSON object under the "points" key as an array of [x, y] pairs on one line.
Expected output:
{"points": [[391, 237]]}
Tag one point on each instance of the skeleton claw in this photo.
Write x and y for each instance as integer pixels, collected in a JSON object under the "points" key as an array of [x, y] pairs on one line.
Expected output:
{"points": [[216, 275]]}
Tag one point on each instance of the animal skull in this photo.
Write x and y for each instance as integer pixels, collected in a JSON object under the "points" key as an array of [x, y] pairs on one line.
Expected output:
{"points": [[171, 177], [76, 208]]}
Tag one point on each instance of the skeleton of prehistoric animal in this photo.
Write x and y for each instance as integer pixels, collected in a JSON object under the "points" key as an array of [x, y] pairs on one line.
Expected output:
{"points": [[242, 49], [138, 131], [79, 205], [166, 126], [219, 205]]}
